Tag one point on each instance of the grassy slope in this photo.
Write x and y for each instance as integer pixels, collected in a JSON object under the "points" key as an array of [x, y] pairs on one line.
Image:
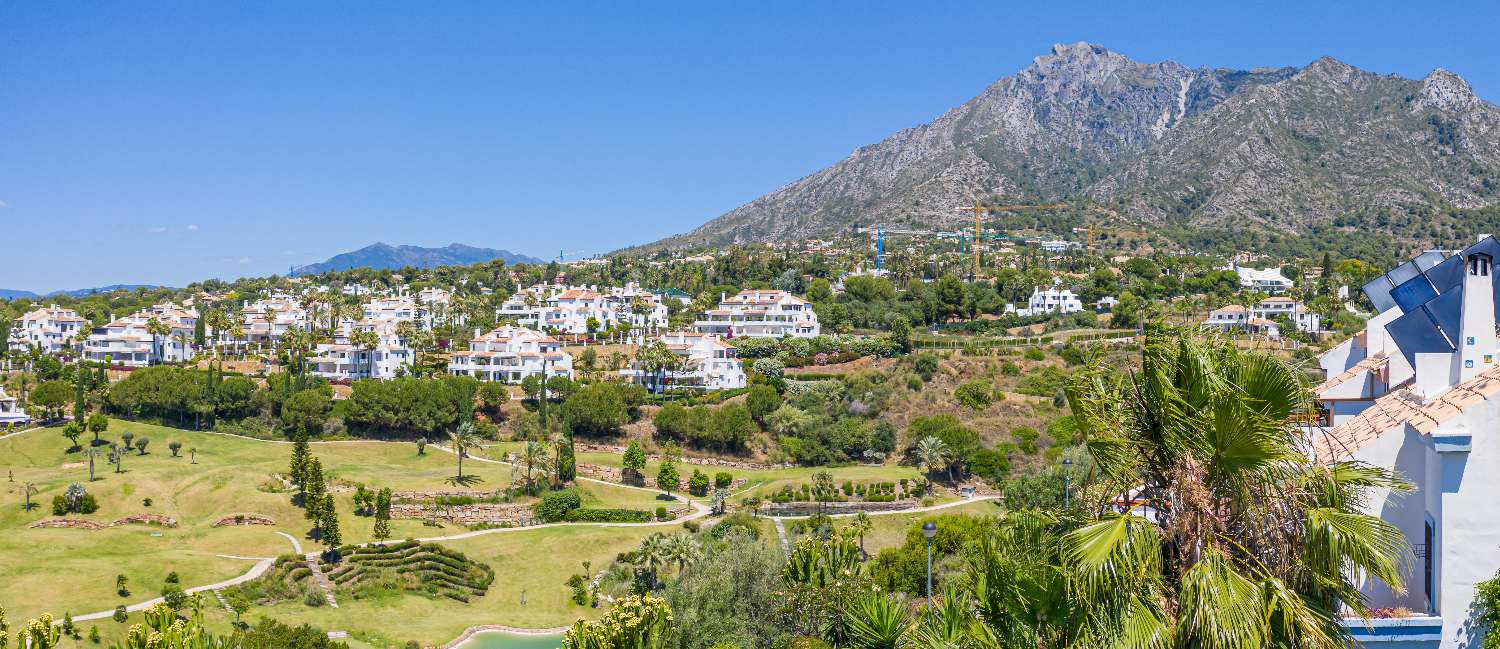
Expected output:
{"points": [[67, 570]]}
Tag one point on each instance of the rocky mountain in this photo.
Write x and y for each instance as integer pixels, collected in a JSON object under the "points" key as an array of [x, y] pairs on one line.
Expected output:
{"points": [[1286, 148], [384, 256]]}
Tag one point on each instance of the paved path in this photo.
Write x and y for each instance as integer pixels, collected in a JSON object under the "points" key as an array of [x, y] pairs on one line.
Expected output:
{"points": [[262, 564], [909, 510], [297, 545], [321, 580], [781, 533]]}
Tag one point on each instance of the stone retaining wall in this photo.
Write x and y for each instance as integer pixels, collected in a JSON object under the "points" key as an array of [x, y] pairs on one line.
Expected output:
{"points": [[476, 514], [244, 519], [147, 519], [700, 461], [432, 495], [807, 508], [73, 523]]}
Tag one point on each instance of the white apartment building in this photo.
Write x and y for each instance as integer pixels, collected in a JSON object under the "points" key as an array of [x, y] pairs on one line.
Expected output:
{"points": [[706, 362], [398, 308], [265, 321], [758, 313], [510, 354], [343, 360], [1418, 392], [1262, 318], [11, 412], [52, 329], [1266, 280], [567, 309], [126, 341], [1052, 300]]}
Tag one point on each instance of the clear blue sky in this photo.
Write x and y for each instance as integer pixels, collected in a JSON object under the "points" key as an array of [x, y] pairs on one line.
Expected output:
{"points": [[153, 142]]}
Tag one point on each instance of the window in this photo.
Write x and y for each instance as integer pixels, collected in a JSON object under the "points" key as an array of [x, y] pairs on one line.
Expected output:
{"points": [[1426, 551]]}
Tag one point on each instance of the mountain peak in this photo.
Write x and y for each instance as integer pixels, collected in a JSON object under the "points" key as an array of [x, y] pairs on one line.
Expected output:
{"points": [[1332, 68], [380, 255], [1446, 91]]}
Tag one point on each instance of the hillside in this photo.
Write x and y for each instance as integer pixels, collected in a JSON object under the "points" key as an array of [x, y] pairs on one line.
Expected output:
{"points": [[13, 294], [384, 256], [1282, 148]]}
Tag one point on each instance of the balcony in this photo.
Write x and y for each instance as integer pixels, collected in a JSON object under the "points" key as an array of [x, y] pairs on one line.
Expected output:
{"points": [[1415, 632]]}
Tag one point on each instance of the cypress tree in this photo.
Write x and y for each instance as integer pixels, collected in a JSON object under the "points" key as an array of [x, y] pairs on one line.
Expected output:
{"points": [[299, 465], [328, 524], [383, 514], [313, 490]]}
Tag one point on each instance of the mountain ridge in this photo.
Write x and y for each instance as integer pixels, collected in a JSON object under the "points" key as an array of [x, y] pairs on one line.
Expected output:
{"points": [[380, 255], [1284, 148]]}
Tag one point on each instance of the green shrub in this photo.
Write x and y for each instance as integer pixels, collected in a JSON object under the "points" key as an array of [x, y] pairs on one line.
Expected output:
{"points": [[1010, 369], [914, 383], [723, 479], [555, 505], [926, 366], [607, 516], [974, 394], [1035, 354], [698, 483]]}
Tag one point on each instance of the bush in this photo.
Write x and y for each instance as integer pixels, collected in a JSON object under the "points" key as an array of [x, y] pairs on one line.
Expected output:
{"points": [[314, 597], [1010, 369], [1026, 439], [555, 505], [1035, 354], [59, 505], [762, 400], [989, 464], [914, 383], [737, 520], [698, 483], [607, 516], [974, 394], [926, 366], [661, 513], [599, 409], [723, 479]]}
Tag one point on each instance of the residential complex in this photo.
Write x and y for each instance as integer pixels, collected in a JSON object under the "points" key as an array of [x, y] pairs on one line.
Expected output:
{"points": [[510, 354], [1052, 300], [127, 341], [344, 358], [757, 313], [572, 309], [1267, 280], [704, 361], [50, 329], [1418, 392], [1265, 318]]}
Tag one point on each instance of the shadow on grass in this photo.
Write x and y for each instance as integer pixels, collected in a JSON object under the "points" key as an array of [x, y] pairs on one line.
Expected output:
{"points": [[466, 480]]}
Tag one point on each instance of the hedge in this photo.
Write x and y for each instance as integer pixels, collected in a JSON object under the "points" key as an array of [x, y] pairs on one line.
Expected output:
{"points": [[608, 516]]}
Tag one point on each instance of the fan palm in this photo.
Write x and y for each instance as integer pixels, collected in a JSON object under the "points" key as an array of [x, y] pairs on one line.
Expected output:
{"points": [[1216, 531], [655, 551], [463, 439], [932, 453], [683, 550]]}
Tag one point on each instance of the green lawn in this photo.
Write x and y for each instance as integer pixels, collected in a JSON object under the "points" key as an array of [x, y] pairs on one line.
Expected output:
{"points": [[73, 571]]}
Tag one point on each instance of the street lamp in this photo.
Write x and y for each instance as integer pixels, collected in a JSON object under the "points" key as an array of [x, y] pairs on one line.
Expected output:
{"points": [[929, 530], [1067, 481]]}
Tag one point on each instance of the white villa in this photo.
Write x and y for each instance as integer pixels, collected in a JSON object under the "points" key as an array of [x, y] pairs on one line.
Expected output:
{"points": [[706, 362], [398, 308], [11, 412], [1418, 391], [1267, 280], [1052, 300], [510, 354], [126, 342], [1261, 318], [50, 328], [756, 313]]}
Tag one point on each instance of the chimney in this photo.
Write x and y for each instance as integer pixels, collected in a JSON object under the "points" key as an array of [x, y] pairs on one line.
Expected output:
{"points": [[1476, 344]]}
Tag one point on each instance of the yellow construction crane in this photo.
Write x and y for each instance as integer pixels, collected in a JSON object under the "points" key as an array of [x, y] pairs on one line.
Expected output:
{"points": [[980, 209]]}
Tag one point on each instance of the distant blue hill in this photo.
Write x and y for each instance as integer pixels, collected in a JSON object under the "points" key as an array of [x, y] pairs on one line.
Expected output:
{"points": [[383, 256], [12, 294]]}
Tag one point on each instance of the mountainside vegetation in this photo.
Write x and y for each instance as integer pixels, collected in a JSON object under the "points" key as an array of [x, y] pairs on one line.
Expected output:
{"points": [[1324, 149]]}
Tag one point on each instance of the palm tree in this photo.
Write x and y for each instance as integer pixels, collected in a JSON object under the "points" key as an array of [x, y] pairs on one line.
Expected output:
{"points": [[535, 454], [463, 439], [158, 330], [91, 453], [28, 490], [933, 453], [367, 341], [656, 552], [1247, 543], [683, 550], [861, 526]]}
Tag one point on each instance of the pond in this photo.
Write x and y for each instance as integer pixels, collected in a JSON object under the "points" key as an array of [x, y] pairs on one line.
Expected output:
{"points": [[503, 640]]}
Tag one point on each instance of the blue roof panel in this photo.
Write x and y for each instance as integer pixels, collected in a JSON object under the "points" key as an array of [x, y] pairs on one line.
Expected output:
{"points": [[1448, 274], [1379, 292], [1416, 332], [1413, 293]]}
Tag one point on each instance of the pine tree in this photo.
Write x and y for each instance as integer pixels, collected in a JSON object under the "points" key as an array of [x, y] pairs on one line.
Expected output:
{"points": [[313, 490], [383, 515], [298, 468], [328, 526], [668, 478]]}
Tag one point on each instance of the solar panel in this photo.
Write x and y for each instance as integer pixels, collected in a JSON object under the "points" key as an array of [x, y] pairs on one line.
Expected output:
{"points": [[1448, 274], [1413, 293], [1428, 259], [1447, 311], [1404, 272], [1379, 292], [1416, 332]]}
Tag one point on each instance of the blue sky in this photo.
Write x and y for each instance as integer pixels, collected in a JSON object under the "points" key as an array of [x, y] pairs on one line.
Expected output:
{"points": [[158, 142]]}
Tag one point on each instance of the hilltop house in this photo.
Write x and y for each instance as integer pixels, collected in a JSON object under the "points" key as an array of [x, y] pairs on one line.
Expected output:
{"points": [[127, 342], [705, 362], [760, 313], [1418, 392], [510, 354], [52, 329], [1265, 280]]}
